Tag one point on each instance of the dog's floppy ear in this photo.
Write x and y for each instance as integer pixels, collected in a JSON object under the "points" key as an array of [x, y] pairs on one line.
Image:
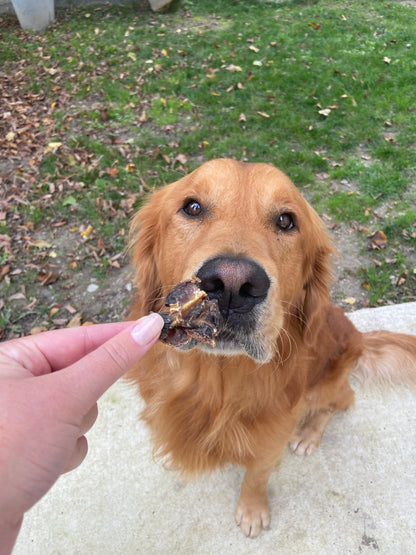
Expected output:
{"points": [[318, 276], [143, 245]]}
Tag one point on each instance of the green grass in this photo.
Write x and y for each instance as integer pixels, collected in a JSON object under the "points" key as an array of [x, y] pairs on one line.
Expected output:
{"points": [[404, 224], [247, 79], [350, 207], [388, 279], [300, 56]]}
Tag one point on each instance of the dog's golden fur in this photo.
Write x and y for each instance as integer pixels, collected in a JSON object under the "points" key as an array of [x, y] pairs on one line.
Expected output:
{"points": [[244, 402]]}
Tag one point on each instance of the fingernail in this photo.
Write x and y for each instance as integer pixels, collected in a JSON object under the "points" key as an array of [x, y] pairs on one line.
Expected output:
{"points": [[147, 329]]}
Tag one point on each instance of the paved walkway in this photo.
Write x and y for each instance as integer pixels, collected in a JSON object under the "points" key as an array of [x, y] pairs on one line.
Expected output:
{"points": [[355, 494]]}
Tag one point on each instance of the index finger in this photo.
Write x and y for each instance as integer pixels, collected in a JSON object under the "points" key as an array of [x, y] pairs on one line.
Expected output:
{"points": [[85, 381], [54, 350]]}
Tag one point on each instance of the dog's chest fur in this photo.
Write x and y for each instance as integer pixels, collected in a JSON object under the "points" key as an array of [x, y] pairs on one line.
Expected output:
{"points": [[206, 411]]}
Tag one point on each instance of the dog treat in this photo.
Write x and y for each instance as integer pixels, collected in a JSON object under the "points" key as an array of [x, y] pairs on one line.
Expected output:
{"points": [[189, 314]]}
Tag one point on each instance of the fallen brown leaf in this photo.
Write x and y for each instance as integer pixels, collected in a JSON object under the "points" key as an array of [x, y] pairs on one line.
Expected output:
{"points": [[181, 158], [85, 233], [39, 243], [60, 321], [378, 240], [233, 68], [47, 277], [112, 171], [315, 26], [401, 280], [4, 270], [324, 112], [53, 311], [17, 297], [75, 321], [37, 329]]}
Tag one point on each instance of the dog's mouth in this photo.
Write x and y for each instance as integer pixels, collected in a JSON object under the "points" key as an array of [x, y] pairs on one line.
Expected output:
{"points": [[229, 340], [240, 286], [220, 310], [244, 337]]}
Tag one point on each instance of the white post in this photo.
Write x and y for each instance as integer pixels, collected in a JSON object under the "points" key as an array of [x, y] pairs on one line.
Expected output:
{"points": [[34, 14]]}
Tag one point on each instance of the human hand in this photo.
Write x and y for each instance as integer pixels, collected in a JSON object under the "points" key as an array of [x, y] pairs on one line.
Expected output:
{"points": [[49, 385]]}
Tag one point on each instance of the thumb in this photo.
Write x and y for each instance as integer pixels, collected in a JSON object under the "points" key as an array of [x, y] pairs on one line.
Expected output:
{"points": [[87, 379]]}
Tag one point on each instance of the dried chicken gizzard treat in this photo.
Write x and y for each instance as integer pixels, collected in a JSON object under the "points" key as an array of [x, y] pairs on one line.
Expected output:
{"points": [[189, 314]]}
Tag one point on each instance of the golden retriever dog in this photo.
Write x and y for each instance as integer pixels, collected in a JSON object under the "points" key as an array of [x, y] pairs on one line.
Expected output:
{"points": [[284, 354]]}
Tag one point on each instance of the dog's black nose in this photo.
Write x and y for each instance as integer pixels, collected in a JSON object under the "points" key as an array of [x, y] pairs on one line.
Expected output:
{"points": [[237, 283]]}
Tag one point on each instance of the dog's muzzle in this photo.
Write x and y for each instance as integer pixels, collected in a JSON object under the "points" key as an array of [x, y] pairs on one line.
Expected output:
{"points": [[240, 286]]}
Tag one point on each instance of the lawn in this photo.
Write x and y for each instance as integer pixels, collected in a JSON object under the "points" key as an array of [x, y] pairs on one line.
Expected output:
{"points": [[111, 102]]}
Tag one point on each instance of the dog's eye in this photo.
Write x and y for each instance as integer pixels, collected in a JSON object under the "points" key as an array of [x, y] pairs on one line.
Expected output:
{"points": [[192, 208], [285, 222]]}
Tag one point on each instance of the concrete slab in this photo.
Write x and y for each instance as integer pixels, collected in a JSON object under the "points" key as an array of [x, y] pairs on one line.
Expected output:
{"points": [[355, 494]]}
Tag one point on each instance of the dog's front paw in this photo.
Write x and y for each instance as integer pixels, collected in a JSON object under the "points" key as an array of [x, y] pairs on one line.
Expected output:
{"points": [[252, 517], [304, 445]]}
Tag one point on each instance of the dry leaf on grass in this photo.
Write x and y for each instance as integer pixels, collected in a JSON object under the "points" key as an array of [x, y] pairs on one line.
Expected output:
{"points": [[75, 321], [378, 240]]}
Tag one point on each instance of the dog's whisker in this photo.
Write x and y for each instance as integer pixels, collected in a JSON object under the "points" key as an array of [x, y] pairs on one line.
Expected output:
{"points": [[291, 343], [290, 340], [298, 313]]}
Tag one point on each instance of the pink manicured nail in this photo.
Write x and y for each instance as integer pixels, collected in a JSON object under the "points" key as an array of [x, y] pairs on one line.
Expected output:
{"points": [[147, 329]]}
